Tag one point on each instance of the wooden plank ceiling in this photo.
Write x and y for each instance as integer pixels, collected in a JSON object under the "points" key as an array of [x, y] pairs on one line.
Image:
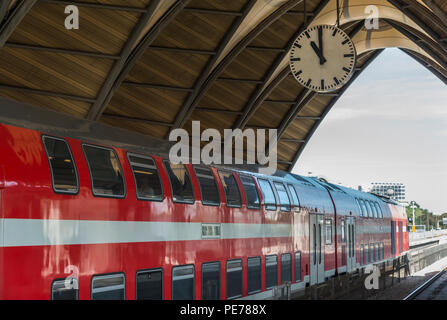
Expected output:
{"points": [[151, 66]]}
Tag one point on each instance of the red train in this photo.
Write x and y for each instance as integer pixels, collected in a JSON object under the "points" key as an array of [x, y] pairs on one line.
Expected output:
{"points": [[84, 220]]}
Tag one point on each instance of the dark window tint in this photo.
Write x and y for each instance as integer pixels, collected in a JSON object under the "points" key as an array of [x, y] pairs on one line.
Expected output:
{"points": [[105, 170], [284, 200], [147, 180], [254, 274], [108, 287], [328, 230], [295, 200], [376, 251], [211, 281], [63, 170], [297, 266], [271, 271], [149, 285], [64, 289], [180, 183], [232, 193], [267, 192], [208, 186], [183, 283], [251, 193], [371, 251], [234, 279], [286, 267], [366, 254], [361, 255]]}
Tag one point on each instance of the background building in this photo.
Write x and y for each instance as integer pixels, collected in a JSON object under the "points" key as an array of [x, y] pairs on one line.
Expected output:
{"points": [[381, 188]]}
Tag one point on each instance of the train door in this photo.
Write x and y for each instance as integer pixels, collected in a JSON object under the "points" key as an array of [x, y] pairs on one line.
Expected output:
{"points": [[401, 237], [350, 243], [393, 237], [316, 248]]}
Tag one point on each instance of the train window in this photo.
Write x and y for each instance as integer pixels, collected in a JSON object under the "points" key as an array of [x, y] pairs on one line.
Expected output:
{"points": [[295, 200], [253, 274], [284, 200], [251, 193], [360, 209], [328, 230], [371, 251], [147, 181], [342, 226], [109, 287], [149, 284], [105, 171], [181, 185], [286, 267], [363, 207], [297, 266], [63, 169], [376, 246], [361, 254], [234, 279], [374, 210], [368, 209], [232, 193], [65, 289], [211, 281], [381, 251], [271, 271], [208, 186], [269, 196], [379, 210], [183, 283]]}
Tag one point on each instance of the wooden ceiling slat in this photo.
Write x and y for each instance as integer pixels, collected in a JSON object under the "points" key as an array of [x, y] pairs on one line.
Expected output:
{"points": [[139, 9], [14, 19]]}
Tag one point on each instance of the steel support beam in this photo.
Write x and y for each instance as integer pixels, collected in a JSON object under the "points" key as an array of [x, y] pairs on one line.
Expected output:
{"points": [[128, 57], [14, 19], [46, 93], [145, 121], [433, 70], [155, 86], [4, 6]]}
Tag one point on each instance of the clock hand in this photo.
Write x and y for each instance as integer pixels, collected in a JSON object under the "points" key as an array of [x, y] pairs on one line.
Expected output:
{"points": [[318, 52], [320, 42]]}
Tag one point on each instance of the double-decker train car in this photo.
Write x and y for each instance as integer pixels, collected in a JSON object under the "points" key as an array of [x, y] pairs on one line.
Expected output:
{"points": [[84, 219]]}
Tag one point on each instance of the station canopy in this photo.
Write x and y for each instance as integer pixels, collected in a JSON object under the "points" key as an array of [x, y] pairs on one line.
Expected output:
{"points": [[151, 66]]}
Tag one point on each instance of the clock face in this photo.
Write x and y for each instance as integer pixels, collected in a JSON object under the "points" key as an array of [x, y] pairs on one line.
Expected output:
{"points": [[323, 58]]}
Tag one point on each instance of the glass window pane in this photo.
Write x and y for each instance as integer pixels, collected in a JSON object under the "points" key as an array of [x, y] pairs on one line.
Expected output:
{"points": [[211, 281], [65, 289], [328, 231], [105, 170], [63, 170], [251, 192], [271, 271], [108, 287], [232, 193], [284, 200], [253, 274], [297, 266], [147, 181], [180, 183], [149, 285], [269, 196], [234, 279], [183, 283], [295, 200], [286, 267], [361, 254], [208, 186]]}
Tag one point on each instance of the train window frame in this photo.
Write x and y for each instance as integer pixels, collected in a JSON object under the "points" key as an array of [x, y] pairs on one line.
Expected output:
{"points": [[100, 195], [283, 207], [298, 266], [63, 281], [246, 176], [382, 251], [235, 269], [152, 270], [105, 276], [366, 255], [205, 264], [182, 277], [328, 225], [361, 254], [376, 252], [55, 190], [267, 264], [269, 206], [258, 265], [290, 264], [131, 154], [207, 203], [371, 252], [297, 206], [166, 161], [225, 192], [343, 230]]}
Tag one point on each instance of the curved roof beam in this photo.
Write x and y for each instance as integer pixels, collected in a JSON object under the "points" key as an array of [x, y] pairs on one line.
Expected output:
{"points": [[423, 61], [134, 47], [187, 109], [436, 10], [14, 18]]}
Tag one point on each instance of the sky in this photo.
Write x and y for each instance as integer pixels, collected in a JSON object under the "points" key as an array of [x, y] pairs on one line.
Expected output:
{"points": [[389, 126]]}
